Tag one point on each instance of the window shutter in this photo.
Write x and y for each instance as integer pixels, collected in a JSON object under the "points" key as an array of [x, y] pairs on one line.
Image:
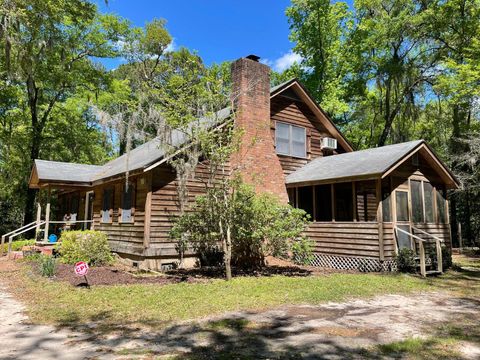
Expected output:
{"points": [[127, 203]]}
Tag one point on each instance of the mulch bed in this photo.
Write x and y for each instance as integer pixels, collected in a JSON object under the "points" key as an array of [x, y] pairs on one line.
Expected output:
{"points": [[117, 275], [110, 275]]}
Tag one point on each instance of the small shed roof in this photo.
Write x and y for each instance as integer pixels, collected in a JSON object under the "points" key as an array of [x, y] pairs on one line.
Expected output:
{"points": [[363, 164]]}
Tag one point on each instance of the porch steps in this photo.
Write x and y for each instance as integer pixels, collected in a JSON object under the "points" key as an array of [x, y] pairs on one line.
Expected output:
{"points": [[433, 273]]}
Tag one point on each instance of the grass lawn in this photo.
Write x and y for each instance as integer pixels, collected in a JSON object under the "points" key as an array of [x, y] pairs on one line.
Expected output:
{"points": [[157, 306]]}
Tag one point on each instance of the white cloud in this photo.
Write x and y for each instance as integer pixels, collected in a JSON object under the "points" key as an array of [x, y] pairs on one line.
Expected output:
{"points": [[284, 61]]}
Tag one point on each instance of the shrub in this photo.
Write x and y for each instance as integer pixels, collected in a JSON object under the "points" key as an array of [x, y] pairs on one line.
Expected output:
{"points": [[260, 226], [302, 251], [209, 256], [446, 258], [18, 245], [48, 265], [406, 261], [89, 246]]}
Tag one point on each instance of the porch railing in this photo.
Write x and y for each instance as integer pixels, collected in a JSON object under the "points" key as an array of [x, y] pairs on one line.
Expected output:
{"points": [[19, 231], [33, 225], [421, 248]]}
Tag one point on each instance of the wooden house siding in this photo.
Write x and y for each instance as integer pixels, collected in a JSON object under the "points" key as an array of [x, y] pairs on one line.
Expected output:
{"points": [[295, 112], [389, 245], [123, 237], [345, 238], [165, 207]]}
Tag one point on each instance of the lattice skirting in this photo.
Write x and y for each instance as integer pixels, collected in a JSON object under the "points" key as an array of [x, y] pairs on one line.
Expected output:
{"points": [[352, 263]]}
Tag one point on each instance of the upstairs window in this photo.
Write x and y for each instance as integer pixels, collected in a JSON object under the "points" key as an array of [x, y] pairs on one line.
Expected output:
{"points": [[128, 196], [291, 140]]}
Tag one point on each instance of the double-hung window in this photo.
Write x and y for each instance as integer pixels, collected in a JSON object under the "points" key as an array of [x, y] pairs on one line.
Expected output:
{"points": [[291, 140]]}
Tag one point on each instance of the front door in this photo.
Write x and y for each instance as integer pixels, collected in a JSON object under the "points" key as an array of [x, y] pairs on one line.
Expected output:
{"points": [[403, 219]]}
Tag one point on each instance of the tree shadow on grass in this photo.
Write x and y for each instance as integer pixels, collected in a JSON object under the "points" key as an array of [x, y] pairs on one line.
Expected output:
{"points": [[234, 337]]}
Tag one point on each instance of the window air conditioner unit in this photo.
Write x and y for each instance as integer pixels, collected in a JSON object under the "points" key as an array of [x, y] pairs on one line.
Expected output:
{"points": [[329, 143]]}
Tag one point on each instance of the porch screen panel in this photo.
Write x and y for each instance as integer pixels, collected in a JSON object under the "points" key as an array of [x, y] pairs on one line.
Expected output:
{"points": [[305, 199], [107, 205], [402, 205], [343, 202], [323, 203], [386, 204], [428, 197], [441, 202], [403, 240], [417, 201], [292, 196], [366, 201]]}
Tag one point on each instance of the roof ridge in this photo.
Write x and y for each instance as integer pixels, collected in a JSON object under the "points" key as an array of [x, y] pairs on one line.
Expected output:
{"points": [[67, 162]]}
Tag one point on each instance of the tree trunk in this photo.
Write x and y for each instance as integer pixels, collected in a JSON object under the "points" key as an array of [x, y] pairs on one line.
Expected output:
{"points": [[37, 129], [228, 254], [32, 193]]}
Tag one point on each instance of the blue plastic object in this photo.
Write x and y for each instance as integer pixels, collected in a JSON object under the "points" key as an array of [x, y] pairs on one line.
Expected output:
{"points": [[52, 238]]}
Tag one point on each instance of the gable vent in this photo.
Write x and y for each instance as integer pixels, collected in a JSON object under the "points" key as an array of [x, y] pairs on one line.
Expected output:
{"points": [[329, 144]]}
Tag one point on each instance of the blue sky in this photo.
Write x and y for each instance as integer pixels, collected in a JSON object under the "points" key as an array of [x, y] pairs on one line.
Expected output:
{"points": [[218, 30]]}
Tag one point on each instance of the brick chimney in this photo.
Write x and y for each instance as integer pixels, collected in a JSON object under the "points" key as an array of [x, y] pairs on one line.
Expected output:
{"points": [[256, 161]]}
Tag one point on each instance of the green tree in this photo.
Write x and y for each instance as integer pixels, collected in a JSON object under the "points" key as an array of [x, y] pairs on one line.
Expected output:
{"points": [[255, 226], [46, 53], [321, 30]]}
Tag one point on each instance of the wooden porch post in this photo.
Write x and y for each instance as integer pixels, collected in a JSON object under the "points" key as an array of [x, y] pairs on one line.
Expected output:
{"points": [[47, 215], [148, 211], [39, 218], [380, 218]]}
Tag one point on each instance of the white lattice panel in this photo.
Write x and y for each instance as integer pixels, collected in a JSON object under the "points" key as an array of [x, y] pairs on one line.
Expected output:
{"points": [[353, 263]]}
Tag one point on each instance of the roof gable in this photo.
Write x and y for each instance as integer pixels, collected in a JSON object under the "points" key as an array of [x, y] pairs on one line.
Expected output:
{"points": [[295, 90]]}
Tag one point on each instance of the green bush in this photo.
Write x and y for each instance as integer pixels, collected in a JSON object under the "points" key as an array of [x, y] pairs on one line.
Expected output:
{"points": [[406, 262], [48, 265], [446, 258], [89, 246], [302, 251], [260, 226], [18, 245]]}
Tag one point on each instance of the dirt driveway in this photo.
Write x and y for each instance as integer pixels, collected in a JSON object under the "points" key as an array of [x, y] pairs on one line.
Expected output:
{"points": [[22, 340], [329, 331]]}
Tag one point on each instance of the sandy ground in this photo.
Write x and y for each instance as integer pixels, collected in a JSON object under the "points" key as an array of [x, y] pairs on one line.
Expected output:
{"points": [[21, 340], [329, 331]]}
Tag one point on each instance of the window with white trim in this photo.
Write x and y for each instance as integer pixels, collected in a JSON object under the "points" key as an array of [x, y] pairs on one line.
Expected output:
{"points": [[290, 140]]}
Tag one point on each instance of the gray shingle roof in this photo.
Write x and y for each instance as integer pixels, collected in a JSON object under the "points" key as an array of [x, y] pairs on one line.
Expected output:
{"points": [[139, 158], [353, 164], [65, 172]]}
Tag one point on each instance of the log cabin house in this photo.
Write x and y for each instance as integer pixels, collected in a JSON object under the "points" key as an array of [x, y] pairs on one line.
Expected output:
{"points": [[364, 205]]}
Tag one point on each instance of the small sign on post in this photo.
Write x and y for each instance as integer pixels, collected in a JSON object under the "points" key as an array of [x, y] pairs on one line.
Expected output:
{"points": [[81, 269]]}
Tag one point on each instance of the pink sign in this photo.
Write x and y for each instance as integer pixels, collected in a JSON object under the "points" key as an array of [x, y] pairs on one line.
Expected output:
{"points": [[81, 268]]}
